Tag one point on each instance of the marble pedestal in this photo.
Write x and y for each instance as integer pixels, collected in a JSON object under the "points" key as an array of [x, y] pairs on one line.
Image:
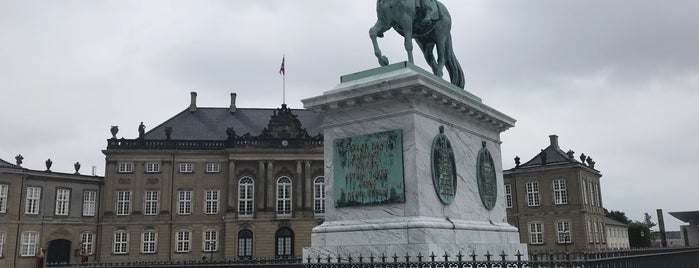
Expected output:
{"points": [[403, 96]]}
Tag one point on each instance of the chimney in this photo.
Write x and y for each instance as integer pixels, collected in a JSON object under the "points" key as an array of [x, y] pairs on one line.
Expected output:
{"points": [[554, 141], [233, 108], [193, 104]]}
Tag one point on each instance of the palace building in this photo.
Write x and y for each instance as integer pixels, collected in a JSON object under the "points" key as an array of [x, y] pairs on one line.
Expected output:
{"points": [[43, 209], [214, 183], [555, 201]]}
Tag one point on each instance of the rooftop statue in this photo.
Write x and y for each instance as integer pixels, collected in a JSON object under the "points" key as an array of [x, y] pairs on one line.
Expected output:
{"points": [[426, 21]]}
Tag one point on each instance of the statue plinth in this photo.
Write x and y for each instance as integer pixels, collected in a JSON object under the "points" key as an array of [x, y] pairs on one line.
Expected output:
{"points": [[373, 211]]}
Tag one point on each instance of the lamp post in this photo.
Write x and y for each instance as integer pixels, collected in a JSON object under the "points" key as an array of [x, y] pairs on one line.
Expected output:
{"points": [[643, 241]]}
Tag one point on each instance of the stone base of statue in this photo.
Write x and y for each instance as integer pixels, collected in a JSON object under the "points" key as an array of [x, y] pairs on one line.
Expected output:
{"points": [[412, 166]]}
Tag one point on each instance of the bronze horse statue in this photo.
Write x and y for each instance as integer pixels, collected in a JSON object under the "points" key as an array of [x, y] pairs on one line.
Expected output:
{"points": [[426, 21]]}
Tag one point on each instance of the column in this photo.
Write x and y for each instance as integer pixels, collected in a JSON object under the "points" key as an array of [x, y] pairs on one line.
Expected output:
{"points": [[271, 186], [261, 187], [308, 186], [298, 187], [232, 189]]}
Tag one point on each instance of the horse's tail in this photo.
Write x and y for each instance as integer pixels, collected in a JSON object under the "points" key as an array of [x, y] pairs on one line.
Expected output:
{"points": [[453, 67]]}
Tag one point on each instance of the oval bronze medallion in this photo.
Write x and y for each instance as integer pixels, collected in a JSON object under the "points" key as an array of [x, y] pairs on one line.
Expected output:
{"points": [[487, 182], [443, 168]]}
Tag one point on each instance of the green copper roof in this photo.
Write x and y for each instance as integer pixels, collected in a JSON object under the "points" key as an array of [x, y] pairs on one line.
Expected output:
{"points": [[406, 65]]}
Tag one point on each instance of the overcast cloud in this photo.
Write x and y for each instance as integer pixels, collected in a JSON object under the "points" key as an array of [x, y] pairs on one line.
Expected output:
{"points": [[616, 80]]}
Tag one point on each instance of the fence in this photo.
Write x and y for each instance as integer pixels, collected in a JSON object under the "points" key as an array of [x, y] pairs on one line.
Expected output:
{"points": [[673, 257]]}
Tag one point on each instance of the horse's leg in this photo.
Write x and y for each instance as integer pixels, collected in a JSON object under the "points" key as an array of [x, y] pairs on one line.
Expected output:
{"points": [[441, 53], [427, 48], [378, 30], [408, 37]]}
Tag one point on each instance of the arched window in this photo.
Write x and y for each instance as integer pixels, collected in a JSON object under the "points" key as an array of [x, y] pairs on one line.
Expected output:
{"points": [[246, 197], [284, 243], [245, 244], [284, 197], [319, 197]]}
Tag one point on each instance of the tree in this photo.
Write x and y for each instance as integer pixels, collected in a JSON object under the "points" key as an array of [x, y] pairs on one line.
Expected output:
{"points": [[639, 235], [648, 220], [617, 215]]}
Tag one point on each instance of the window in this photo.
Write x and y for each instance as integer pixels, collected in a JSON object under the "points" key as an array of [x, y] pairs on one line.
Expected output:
{"points": [[533, 194], [123, 205], [149, 241], [284, 197], [121, 242], [585, 193], [597, 193], [186, 168], [183, 240], [152, 167], [88, 242], [29, 242], [213, 167], [563, 232], [284, 243], [595, 230], [89, 203], [211, 202], [125, 167], [592, 193], [184, 204], [245, 244], [150, 203], [210, 241], [2, 242], [589, 231], [319, 197], [536, 234], [4, 189], [62, 201], [31, 206], [560, 192], [246, 189], [508, 195]]}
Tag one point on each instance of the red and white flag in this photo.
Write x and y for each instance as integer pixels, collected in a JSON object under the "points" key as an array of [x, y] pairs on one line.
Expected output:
{"points": [[281, 69]]}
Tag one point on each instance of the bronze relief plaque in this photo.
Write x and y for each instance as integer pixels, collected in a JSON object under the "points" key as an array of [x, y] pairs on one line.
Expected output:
{"points": [[443, 168], [487, 182]]}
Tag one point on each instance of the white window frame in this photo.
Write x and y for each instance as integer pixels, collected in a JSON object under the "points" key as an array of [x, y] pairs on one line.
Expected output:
{"points": [[589, 231], [597, 195], [563, 232], [560, 192], [209, 240], [184, 202], [592, 193], [149, 242], [245, 244], [584, 184], [211, 201], [536, 233], [151, 202], [2, 243], [246, 197], [125, 167], [120, 244], [123, 203], [32, 201], [213, 167], [4, 191], [89, 203], [284, 197], [319, 196], [29, 242], [508, 196], [152, 167], [533, 199], [186, 167], [62, 202], [87, 241], [183, 241]]}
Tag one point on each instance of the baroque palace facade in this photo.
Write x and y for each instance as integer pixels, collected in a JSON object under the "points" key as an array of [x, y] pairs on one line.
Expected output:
{"points": [[555, 201], [214, 183]]}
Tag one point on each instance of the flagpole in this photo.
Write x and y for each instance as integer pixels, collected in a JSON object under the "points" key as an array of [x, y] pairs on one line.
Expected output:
{"points": [[284, 88]]}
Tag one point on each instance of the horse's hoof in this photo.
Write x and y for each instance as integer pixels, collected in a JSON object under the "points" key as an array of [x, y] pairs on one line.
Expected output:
{"points": [[383, 61], [380, 35]]}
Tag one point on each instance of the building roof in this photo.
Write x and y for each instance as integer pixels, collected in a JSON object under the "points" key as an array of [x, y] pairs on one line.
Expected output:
{"points": [[5, 164], [610, 221], [691, 217], [554, 156], [212, 123]]}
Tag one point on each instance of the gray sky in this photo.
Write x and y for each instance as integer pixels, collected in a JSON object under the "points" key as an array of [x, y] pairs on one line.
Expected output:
{"points": [[616, 80]]}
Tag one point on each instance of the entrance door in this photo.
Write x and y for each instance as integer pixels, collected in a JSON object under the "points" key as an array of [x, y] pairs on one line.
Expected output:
{"points": [[58, 251]]}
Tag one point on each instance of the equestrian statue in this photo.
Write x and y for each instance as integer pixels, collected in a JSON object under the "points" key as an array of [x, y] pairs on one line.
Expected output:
{"points": [[429, 23]]}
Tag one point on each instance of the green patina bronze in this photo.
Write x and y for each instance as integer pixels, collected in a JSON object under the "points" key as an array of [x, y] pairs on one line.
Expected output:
{"points": [[426, 21], [443, 168], [487, 182], [368, 169]]}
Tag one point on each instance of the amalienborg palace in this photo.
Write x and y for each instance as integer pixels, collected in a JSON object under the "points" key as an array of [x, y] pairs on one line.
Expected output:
{"points": [[208, 182]]}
